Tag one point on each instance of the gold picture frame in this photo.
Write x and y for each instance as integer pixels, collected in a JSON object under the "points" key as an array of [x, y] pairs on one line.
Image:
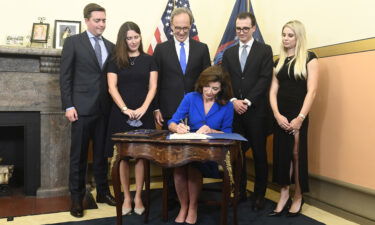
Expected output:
{"points": [[39, 33]]}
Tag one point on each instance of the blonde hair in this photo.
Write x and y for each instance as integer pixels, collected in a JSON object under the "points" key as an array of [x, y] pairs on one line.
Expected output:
{"points": [[300, 51]]}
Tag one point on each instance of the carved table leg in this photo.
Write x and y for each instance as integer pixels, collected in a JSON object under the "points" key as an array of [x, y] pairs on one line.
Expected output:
{"points": [[237, 171], [147, 189], [165, 175], [225, 196], [117, 189]]}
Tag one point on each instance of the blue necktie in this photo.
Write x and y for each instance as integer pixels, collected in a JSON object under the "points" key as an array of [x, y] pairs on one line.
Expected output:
{"points": [[182, 57], [98, 51]]}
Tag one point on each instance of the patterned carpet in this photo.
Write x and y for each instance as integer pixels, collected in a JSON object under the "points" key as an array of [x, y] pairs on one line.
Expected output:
{"points": [[207, 215]]}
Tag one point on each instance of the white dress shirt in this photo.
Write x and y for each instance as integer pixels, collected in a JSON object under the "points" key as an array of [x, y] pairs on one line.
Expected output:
{"points": [[101, 43], [178, 47], [248, 48]]}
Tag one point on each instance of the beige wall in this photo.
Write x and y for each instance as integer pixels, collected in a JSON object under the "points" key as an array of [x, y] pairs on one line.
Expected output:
{"points": [[342, 120], [327, 22], [342, 128]]}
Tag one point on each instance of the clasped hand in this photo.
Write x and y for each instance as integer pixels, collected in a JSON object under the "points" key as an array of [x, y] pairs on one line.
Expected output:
{"points": [[292, 127], [135, 114], [240, 106]]}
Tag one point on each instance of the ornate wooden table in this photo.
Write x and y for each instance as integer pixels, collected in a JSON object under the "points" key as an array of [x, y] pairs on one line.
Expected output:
{"points": [[174, 153]]}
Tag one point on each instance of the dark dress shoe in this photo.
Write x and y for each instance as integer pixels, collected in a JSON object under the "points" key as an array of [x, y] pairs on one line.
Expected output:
{"points": [[76, 209], [258, 204], [286, 207], [294, 214], [242, 197], [178, 223], [106, 198]]}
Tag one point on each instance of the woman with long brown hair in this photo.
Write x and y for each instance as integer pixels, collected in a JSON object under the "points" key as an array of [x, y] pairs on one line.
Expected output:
{"points": [[132, 82]]}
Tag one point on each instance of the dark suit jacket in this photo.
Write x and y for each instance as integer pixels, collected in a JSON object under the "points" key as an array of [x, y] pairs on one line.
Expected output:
{"points": [[83, 83], [172, 84], [254, 83]]}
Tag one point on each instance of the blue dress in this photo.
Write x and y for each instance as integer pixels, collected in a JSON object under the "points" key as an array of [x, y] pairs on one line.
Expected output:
{"points": [[219, 117]]}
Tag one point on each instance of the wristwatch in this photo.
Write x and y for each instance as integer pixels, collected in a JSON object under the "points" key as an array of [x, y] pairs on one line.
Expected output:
{"points": [[124, 108]]}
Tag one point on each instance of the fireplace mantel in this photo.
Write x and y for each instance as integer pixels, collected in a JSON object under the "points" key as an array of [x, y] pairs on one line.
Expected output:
{"points": [[29, 81]]}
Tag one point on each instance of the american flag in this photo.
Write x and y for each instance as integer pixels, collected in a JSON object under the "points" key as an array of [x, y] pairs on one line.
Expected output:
{"points": [[163, 31]]}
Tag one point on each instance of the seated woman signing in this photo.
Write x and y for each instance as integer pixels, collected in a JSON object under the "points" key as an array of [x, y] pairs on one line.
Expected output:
{"points": [[208, 110]]}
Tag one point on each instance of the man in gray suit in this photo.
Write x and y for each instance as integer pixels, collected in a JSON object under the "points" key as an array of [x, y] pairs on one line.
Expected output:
{"points": [[86, 102]]}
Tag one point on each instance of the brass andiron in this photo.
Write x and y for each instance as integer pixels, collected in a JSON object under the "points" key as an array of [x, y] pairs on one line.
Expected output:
{"points": [[6, 172]]}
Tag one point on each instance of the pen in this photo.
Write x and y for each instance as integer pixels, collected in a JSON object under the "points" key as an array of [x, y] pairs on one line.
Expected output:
{"points": [[185, 123]]}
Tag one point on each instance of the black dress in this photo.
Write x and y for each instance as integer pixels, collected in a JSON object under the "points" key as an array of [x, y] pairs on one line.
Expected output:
{"points": [[132, 83], [290, 97]]}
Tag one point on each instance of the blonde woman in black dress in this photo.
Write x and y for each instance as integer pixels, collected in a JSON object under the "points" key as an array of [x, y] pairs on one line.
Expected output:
{"points": [[292, 93]]}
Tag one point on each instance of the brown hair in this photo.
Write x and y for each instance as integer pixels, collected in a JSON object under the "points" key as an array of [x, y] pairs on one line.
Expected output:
{"points": [[121, 54], [216, 73], [89, 8], [245, 15]]}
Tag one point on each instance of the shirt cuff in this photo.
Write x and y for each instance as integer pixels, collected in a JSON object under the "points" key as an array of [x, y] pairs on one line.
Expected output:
{"points": [[247, 102], [157, 110], [232, 99], [67, 109]]}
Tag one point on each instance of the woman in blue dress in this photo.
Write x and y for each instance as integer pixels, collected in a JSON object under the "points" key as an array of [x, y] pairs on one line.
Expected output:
{"points": [[208, 110]]}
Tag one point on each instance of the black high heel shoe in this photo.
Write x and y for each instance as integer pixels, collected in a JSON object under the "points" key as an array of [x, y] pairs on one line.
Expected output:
{"points": [[294, 214], [178, 223], [286, 206]]}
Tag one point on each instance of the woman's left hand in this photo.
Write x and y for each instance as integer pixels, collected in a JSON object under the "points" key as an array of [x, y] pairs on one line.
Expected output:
{"points": [[204, 130], [295, 125], [138, 113]]}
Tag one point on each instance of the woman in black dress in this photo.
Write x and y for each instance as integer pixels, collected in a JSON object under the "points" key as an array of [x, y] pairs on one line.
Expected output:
{"points": [[132, 81], [292, 93]]}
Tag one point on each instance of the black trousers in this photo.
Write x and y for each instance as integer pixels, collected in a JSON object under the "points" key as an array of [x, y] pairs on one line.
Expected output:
{"points": [[255, 130], [83, 129]]}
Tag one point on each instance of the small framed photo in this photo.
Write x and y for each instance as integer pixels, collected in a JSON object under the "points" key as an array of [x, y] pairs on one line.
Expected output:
{"points": [[64, 29], [39, 32]]}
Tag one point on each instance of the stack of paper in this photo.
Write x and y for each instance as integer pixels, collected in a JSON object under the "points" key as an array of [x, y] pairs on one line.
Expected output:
{"points": [[187, 136]]}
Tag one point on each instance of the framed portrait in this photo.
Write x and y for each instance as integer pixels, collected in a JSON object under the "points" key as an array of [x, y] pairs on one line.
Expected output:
{"points": [[64, 29], [39, 32]]}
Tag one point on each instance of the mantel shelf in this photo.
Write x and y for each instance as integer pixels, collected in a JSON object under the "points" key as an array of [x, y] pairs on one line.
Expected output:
{"points": [[16, 50]]}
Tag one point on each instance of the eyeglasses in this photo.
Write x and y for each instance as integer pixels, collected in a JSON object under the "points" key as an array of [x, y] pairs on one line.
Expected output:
{"points": [[243, 29], [179, 29]]}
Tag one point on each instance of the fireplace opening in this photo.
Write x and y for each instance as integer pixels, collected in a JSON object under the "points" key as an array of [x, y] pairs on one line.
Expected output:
{"points": [[20, 147], [12, 154]]}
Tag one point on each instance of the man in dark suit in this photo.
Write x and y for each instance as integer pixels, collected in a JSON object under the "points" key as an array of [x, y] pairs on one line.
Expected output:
{"points": [[180, 62], [86, 102], [250, 66], [178, 74]]}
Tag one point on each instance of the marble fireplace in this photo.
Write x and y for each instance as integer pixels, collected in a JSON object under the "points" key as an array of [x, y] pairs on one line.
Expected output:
{"points": [[30, 99]]}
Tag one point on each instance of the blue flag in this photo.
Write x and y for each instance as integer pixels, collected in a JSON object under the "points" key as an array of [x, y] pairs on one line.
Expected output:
{"points": [[229, 38]]}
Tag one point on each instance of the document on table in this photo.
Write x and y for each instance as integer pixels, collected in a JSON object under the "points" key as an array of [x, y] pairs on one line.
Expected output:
{"points": [[192, 136], [187, 136]]}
